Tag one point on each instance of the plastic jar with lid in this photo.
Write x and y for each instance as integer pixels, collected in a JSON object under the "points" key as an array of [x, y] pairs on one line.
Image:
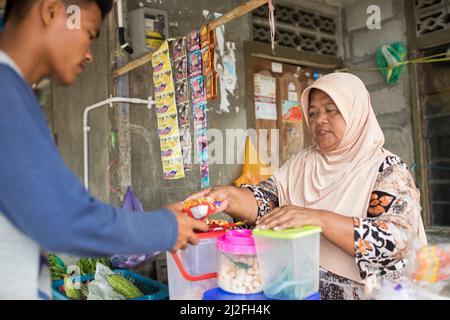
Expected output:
{"points": [[238, 270]]}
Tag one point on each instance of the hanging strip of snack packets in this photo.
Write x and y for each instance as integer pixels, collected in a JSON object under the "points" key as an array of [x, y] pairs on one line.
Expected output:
{"points": [[208, 49], [198, 97], [167, 115], [180, 75]]}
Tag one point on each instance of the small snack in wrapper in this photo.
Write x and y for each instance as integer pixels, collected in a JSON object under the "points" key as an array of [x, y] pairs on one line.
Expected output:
{"points": [[207, 60], [163, 83], [170, 148], [200, 118], [195, 64], [212, 39], [197, 89], [187, 158], [193, 41], [178, 48], [200, 208], [161, 62], [204, 36], [183, 114], [181, 92], [168, 126], [173, 169], [166, 99], [166, 109], [211, 86], [180, 69]]}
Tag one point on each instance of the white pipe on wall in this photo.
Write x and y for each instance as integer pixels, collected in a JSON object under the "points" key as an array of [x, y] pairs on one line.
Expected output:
{"points": [[86, 127], [119, 13]]}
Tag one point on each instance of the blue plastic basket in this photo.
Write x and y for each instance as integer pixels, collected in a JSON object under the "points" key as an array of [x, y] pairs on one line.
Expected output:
{"points": [[152, 290]]}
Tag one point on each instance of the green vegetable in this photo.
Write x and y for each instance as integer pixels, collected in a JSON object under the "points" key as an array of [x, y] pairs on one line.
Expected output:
{"points": [[72, 292], [124, 287], [57, 267], [84, 290], [89, 265]]}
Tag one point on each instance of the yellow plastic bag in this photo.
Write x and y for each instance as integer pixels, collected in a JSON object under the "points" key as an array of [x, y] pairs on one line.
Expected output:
{"points": [[255, 169]]}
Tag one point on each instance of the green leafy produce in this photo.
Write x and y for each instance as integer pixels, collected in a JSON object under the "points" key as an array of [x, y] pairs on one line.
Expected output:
{"points": [[84, 290], [124, 287], [57, 267], [89, 265]]}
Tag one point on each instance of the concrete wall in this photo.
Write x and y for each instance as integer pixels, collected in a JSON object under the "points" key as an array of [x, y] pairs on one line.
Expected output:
{"points": [[68, 104], [146, 171], [390, 102]]}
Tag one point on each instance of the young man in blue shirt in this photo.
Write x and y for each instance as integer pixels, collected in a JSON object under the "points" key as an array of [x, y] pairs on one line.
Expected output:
{"points": [[43, 206]]}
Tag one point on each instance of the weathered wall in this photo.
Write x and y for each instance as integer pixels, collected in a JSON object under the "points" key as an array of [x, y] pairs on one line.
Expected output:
{"points": [[68, 104], [391, 103], [146, 161]]}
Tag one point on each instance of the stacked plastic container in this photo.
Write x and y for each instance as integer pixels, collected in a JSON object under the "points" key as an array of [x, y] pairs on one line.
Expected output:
{"points": [[238, 271], [193, 271], [289, 262]]}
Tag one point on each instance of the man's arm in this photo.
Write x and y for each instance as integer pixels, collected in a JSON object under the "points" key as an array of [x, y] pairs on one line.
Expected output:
{"points": [[44, 200]]}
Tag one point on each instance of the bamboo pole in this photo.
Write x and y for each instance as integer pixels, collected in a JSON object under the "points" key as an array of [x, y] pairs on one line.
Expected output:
{"points": [[230, 16]]}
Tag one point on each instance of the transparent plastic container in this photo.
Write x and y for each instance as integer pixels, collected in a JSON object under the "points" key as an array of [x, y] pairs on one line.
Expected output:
{"points": [[289, 262], [238, 265], [193, 271]]}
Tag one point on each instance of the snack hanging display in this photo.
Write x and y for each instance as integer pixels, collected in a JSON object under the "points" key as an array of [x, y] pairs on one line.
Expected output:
{"points": [[208, 49], [183, 64], [198, 97], [167, 115], [180, 67]]}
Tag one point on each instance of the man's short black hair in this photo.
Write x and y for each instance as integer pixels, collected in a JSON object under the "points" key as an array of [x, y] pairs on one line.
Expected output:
{"points": [[19, 8]]}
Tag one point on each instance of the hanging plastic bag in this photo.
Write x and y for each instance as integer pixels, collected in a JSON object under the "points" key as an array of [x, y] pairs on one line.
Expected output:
{"points": [[131, 203], [253, 173], [388, 58]]}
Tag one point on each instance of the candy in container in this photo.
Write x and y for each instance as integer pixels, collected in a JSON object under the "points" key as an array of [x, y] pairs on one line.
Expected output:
{"points": [[201, 207], [238, 270]]}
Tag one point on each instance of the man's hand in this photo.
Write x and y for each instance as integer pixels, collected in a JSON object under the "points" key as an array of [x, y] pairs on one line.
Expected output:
{"points": [[186, 227]]}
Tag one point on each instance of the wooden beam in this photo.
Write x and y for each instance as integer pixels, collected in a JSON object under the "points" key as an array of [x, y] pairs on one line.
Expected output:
{"points": [[230, 16], [237, 13], [132, 65]]}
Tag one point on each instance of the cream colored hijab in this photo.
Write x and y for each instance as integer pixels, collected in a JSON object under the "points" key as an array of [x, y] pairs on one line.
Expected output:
{"points": [[340, 181]]}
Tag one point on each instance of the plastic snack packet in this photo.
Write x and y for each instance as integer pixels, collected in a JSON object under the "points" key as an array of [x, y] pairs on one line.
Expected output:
{"points": [[201, 208]]}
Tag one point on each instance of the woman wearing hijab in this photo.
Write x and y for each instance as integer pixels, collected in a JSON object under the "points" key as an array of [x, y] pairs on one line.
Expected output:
{"points": [[361, 195]]}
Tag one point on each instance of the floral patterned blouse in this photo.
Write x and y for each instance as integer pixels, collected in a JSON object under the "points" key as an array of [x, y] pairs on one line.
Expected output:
{"points": [[380, 239]]}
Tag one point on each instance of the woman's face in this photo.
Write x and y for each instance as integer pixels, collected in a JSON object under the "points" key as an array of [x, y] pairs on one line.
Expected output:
{"points": [[326, 124]]}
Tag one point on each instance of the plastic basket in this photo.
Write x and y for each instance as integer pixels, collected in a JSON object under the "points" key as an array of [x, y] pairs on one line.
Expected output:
{"points": [[152, 290]]}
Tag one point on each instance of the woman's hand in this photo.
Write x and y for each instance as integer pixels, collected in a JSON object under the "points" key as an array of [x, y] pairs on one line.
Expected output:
{"points": [[335, 227], [238, 203], [218, 193], [289, 217]]}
